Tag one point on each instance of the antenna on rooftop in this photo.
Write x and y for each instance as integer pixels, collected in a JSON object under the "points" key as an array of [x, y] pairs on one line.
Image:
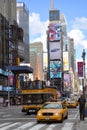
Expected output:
{"points": [[51, 4]]}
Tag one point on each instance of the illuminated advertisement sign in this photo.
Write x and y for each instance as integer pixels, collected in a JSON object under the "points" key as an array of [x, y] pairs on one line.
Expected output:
{"points": [[55, 50], [67, 80], [65, 61], [54, 32], [55, 69]]}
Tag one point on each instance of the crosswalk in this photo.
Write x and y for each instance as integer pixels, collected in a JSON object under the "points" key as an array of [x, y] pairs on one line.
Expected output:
{"points": [[34, 126]]}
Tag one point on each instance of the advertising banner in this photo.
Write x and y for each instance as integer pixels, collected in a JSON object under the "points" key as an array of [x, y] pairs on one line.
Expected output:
{"points": [[80, 69], [11, 79], [55, 69], [54, 32], [65, 61], [66, 80], [55, 50]]}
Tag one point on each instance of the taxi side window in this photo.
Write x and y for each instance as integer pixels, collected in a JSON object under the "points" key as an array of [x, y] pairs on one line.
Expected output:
{"points": [[64, 106]]}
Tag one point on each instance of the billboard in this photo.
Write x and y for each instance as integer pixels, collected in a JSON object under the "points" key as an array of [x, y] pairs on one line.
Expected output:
{"points": [[55, 50], [67, 80], [55, 69], [54, 32], [65, 61], [80, 69]]}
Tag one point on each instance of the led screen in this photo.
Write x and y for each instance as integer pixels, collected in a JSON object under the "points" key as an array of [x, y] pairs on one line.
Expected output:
{"points": [[55, 50], [55, 69], [54, 32]]}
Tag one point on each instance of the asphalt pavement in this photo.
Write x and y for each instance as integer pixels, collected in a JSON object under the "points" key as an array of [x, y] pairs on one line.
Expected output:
{"points": [[82, 125]]}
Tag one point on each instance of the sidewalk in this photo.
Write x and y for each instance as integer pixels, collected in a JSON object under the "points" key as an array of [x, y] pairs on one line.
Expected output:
{"points": [[82, 125]]}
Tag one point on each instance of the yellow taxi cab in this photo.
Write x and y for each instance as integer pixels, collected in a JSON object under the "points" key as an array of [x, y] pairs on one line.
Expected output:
{"points": [[52, 111], [31, 109], [71, 103], [63, 100]]}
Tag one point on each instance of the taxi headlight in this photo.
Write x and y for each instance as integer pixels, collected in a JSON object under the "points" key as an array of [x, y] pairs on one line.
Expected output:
{"points": [[39, 114], [57, 114]]}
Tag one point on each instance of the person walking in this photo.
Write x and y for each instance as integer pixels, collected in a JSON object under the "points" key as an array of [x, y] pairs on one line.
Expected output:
{"points": [[82, 102]]}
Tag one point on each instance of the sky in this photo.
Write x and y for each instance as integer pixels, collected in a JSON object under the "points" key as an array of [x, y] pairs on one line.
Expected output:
{"points": [[76, 16]]}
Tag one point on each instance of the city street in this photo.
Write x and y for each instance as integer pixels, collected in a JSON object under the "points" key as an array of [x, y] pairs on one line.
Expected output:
{"points": [[11, 118]]}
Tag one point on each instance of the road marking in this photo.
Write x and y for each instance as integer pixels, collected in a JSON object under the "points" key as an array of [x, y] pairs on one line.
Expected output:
{"points": [[73, 116], [6, 115], [4, 124], [67, 126], [1, 112], [25, 126], [33, 126], [37, 127], [51, 127], [9, 126], [17, 118]]}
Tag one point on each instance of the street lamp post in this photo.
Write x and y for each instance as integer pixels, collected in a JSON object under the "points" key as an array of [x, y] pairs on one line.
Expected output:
{"points": [[8, 98], [10, 82], [8, 95], [83, 56]]}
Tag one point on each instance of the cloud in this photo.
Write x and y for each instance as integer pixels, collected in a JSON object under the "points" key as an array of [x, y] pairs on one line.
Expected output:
{"points": [[36, 25], [79, 29], [43, 39], [77, 35], [37, 29], [80, 23]]}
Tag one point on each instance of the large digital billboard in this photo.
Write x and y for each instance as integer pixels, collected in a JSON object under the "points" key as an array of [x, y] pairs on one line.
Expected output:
{"points": [[54, 32], [55, 69], [67, 80], [65, 61], [55, 50]]}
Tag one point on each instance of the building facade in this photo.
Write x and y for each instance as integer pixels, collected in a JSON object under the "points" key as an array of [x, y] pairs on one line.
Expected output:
{"points": [[7, 15], [36, 59], [10, 36], [23, 22]]}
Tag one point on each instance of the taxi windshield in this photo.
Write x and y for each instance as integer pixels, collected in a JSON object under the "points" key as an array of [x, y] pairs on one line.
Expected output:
{"points": [[53, 106]]}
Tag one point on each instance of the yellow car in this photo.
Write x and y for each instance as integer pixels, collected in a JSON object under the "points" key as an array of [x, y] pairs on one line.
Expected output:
{"points": [[71, 103], [31, 109], [52, 111]]}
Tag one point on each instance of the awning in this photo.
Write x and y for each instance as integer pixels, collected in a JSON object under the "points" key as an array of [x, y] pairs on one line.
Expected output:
{"points": [[20, 69]]}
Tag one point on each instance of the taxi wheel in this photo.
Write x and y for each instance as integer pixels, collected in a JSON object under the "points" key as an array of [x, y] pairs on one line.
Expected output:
{"points": [[38, 121], [66, 116], [62, 119], [27, 112]]}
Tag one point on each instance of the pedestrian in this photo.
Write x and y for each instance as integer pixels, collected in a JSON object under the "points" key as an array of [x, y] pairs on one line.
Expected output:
{"points": [[82, 102], [30, 83], [37, 83]]}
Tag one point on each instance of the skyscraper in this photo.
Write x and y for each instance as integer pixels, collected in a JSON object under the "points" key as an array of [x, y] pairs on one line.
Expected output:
{"points": [[23, 22], [36, 59]]}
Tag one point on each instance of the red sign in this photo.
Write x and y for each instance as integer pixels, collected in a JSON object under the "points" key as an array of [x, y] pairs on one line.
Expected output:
{"points": [[80, 69]]}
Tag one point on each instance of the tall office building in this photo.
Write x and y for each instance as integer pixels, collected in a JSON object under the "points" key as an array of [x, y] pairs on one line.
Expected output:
{"points": [[36, 59], [7, 17], [8, 9], [23, 22], [71, 54]]}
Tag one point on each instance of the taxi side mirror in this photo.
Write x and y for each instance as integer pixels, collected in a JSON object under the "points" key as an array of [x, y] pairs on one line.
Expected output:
{"points": [[64, 106]]}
